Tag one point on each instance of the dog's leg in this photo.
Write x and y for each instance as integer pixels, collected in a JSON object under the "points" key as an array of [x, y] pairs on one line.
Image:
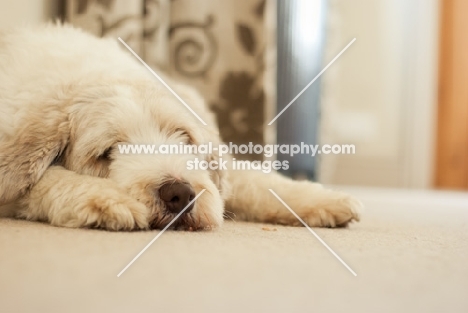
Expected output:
{"points": [[65, 198], [251, 200]]}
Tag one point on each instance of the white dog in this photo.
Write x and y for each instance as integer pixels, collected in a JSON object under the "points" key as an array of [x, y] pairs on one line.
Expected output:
{"points": [[67, 99]]}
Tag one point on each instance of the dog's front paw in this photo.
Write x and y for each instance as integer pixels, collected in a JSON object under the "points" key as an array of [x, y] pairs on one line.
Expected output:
{"points": [[337, 211], [121, 213], [107, 209], [319, 207]]}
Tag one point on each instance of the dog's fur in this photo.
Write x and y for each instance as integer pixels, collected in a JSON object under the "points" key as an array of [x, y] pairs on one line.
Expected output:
{"points": [[67, 99]]}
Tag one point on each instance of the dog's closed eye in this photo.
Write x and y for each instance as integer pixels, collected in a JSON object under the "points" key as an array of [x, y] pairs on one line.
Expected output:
{"points": [[100, 166], [106, 154], [184, 133]]}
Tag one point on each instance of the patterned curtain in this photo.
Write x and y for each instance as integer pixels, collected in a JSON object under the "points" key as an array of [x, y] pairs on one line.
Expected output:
{"points": [[218, 47]]}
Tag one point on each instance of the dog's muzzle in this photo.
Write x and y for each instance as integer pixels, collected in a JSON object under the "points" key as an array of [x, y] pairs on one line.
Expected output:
{"points": [[176, 196]]}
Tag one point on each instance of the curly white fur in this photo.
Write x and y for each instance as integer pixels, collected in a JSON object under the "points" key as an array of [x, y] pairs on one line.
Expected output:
{"points": [[67, 99]]}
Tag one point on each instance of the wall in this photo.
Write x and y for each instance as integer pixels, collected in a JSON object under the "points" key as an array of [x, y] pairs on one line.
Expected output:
{"points": [[27, 12], [380, 94]]}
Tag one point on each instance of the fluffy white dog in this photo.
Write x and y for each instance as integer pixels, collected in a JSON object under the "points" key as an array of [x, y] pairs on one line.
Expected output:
{"points": [[67, 99]]}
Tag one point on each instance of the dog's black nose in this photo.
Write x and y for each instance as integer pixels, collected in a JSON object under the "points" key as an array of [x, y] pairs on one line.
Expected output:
{"points": [[176, 196]]}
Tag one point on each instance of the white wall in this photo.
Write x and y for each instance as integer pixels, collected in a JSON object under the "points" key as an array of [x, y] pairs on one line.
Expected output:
{"points": [[26, 12], [381, 94]]}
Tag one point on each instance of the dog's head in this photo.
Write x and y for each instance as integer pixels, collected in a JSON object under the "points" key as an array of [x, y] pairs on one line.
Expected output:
{"points": [[85, 129]]}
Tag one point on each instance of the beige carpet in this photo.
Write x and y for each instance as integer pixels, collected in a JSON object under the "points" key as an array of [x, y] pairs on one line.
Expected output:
{"points": [[410, 253]]}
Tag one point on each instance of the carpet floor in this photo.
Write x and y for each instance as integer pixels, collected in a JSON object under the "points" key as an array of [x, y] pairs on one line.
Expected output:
{"points": [[410, 253]]}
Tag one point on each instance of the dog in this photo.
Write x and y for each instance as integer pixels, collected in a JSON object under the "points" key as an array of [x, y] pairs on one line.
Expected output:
{"points": [[68, 99]]}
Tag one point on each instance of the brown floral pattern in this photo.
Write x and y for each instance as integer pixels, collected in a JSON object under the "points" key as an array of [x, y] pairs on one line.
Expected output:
{"points": [[216, 46]]}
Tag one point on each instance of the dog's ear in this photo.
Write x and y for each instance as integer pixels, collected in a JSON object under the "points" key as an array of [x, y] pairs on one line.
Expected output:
{"points": [[26, 155]]}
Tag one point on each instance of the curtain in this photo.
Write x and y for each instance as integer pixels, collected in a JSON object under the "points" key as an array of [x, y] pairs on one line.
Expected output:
{"points": [[300, 52], [218, 47]]}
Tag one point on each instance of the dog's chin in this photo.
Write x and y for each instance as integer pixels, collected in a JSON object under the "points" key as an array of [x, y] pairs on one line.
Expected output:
{"points": [[192, 221], [187, 221]]}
